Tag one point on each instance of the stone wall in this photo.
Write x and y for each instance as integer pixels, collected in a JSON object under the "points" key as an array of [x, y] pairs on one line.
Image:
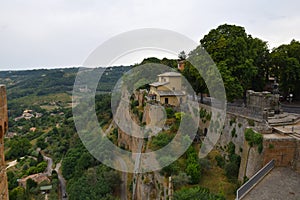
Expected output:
{"points": [[251, 161], [127, 141], [234, 131], [264, 101], [3, 130], [296, 163], [282, 150]]}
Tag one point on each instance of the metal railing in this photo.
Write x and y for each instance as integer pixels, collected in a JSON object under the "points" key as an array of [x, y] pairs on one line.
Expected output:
{"points": [[254, 180]]}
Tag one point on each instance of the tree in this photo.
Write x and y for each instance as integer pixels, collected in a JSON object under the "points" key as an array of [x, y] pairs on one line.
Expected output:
{"points": [[236, 54], [196, 193], [84, 162], [96, 183], [68, 166], [194, 78], [193, 168], [41, 167], [231, 170], [168, 169], [41, 143], [182, 55], [18, 193], [12, 180], [30, 184], [40, 158], [19, 147], [285, 67], [180, 180]]}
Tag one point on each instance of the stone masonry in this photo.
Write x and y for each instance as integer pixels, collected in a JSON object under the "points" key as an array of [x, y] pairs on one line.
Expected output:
{"points": [[283, 149], [3, 130]]}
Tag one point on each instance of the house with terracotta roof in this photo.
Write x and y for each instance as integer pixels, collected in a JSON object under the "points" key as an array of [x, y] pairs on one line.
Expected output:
{"points": [[38, 178], [168, 90]]}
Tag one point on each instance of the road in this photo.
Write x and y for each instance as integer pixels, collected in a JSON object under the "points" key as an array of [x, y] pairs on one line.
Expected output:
{"points": [[290, 108], [62, 181], [49, 160], [11, 164], [15, 162]]}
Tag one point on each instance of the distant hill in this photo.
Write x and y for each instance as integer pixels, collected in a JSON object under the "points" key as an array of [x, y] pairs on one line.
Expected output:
{"points": [[44, 82], [30, 89]]}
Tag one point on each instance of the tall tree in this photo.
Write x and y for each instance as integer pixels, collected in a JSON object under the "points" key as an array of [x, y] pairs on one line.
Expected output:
{"points": [[285, 67], [238, 56]]}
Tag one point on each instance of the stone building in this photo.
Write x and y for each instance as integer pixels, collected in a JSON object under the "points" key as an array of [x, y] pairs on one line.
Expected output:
{"points": [[263, 102], [168, 89], [3, 130]]}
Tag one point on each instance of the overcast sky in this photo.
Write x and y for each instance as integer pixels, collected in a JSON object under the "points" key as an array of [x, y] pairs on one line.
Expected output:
{"points": [[59, 33]]}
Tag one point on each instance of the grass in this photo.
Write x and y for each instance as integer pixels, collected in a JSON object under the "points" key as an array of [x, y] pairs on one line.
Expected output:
{"points": [[44, 101], [49, 107], [215, 179]]}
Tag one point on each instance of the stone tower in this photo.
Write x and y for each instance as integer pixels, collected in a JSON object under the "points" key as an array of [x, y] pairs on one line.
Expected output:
{"points": [[3, 130]]}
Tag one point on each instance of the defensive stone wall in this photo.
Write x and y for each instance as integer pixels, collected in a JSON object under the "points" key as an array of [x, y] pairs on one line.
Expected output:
{"points": [[282, 149], [3, 130]]}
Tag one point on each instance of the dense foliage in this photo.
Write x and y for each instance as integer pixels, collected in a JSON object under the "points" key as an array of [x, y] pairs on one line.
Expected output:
{"points": [[96, 183], [196, 193], [254, 138], [244, 62]]}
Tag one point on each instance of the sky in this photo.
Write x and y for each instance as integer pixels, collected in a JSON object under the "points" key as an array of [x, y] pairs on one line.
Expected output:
{"points": [[62, 33]]}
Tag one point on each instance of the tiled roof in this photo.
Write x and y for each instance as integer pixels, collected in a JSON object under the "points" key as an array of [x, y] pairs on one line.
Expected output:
{"points": [[171, 93], [156, 84], [170, 74]]}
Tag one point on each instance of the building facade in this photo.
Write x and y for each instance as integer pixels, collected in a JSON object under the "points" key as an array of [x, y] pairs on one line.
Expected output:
{"points": [[168, 89]]}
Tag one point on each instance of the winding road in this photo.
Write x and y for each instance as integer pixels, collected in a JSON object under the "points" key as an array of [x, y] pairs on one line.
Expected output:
{"points": [[62, 181], [49, 169]]}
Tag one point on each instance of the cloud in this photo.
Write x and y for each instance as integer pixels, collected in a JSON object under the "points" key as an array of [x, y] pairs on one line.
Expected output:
{"points": [[50, 33]]}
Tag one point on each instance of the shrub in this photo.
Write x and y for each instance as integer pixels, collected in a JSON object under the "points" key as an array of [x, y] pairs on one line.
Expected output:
{"points": [[196, 193], [233, 132], [202, 113], [134, 104], [179, 115], [254, 138], [170, 112], [220, 161], [251, 122], [208, 116], [232, 121], [180, 180], [141, 114], [231, 170], [260, 148], [231, 148], [204, 163]]}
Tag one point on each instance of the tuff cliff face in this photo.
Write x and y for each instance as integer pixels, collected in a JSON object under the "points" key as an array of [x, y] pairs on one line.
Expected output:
{"points": [[3, 130]]}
